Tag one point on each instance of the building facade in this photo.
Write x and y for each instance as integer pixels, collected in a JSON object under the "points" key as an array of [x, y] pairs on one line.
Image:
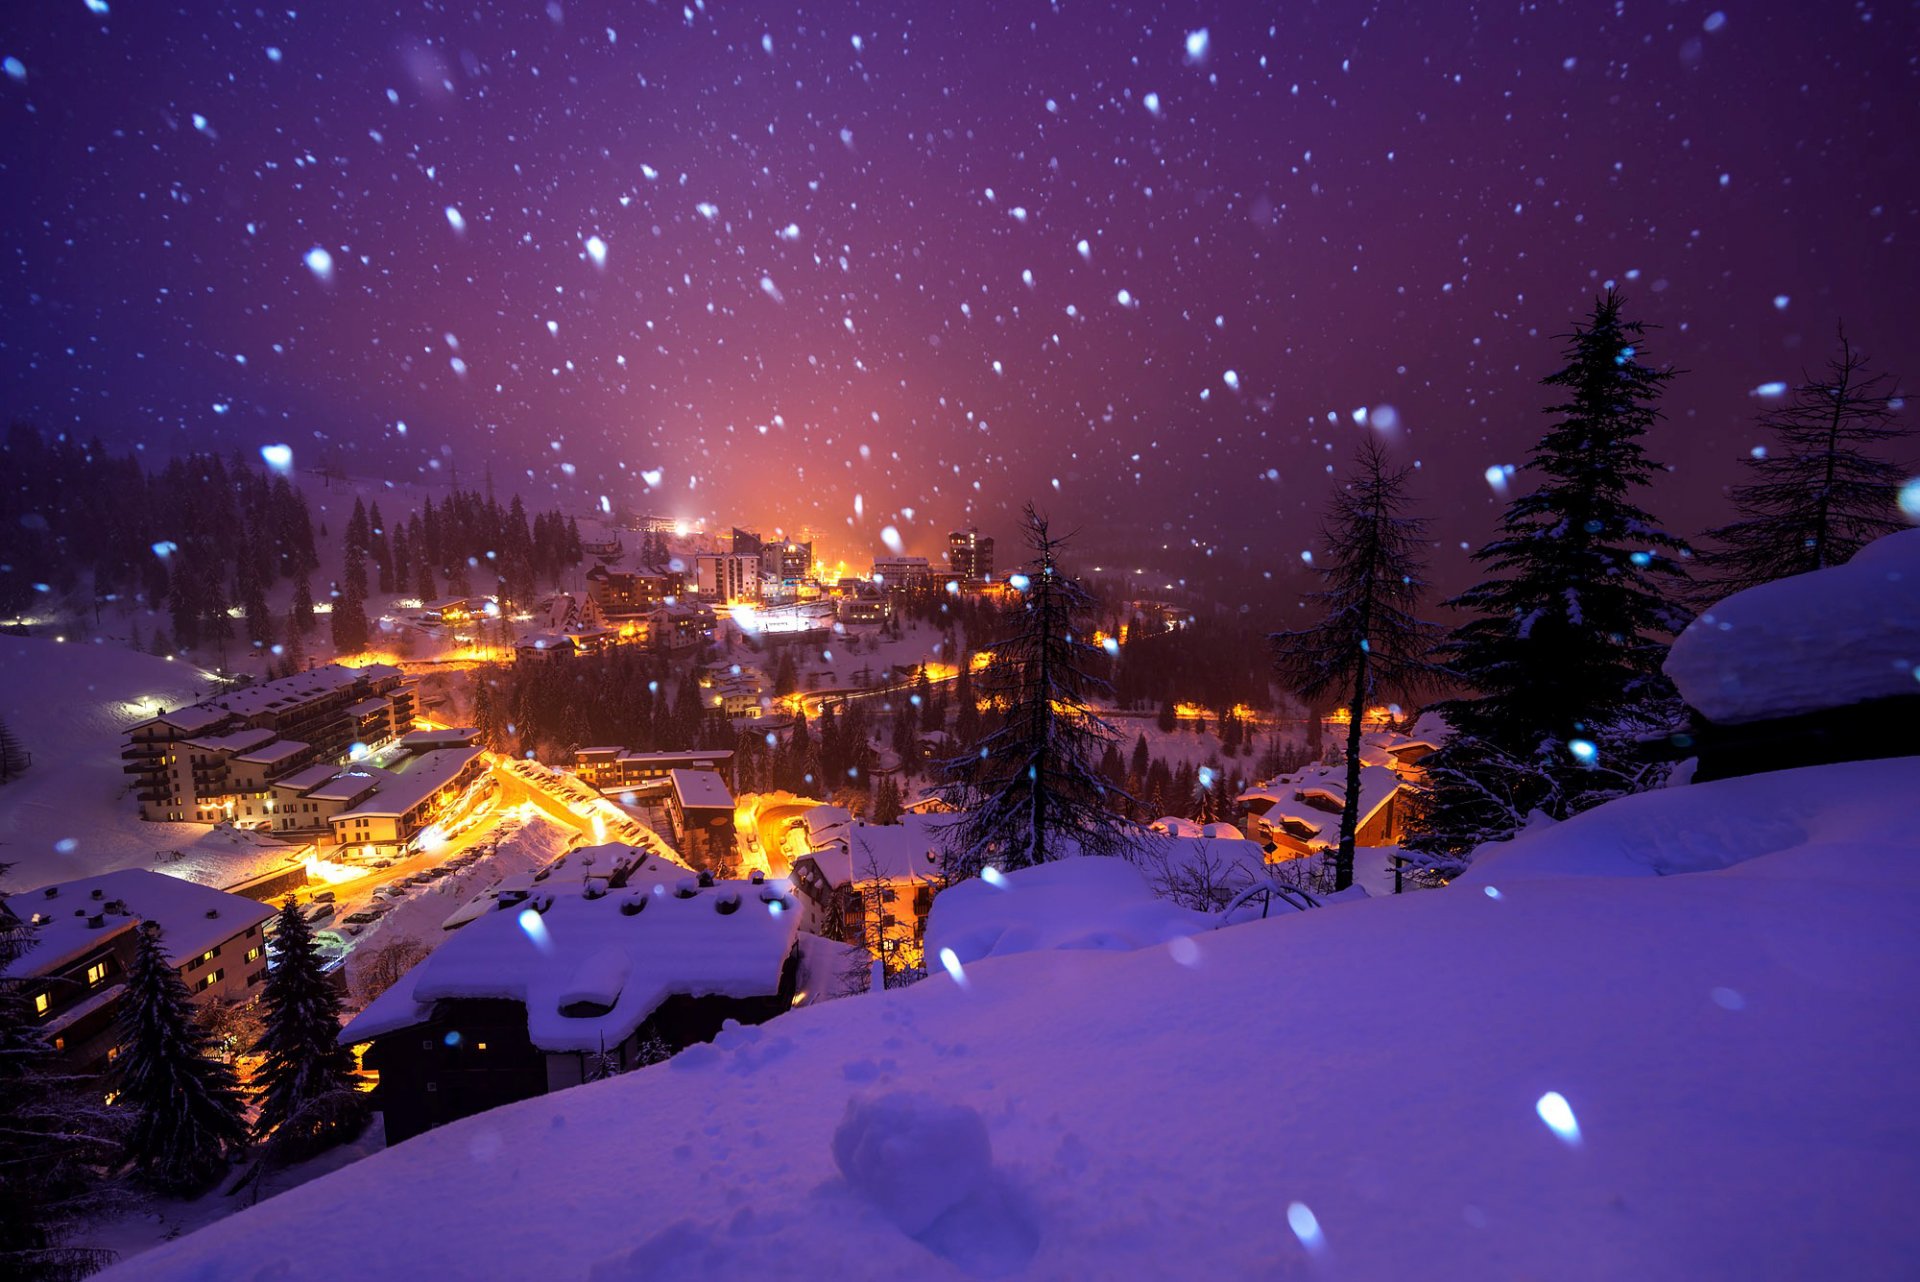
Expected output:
{"points": [[216, 760], [969, 557]]}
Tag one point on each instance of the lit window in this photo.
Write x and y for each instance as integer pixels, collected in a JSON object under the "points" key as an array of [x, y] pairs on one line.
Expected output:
{"points": [[96, 972], [41, 1003]]}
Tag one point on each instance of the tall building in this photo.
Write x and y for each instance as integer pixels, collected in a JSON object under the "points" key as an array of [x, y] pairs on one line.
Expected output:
{"points": [[969, 557], [902, 573], [728, 577], [788, 561], [218, 759]]}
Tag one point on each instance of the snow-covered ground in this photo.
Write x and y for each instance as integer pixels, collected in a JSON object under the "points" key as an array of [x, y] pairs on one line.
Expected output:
{"points": [[1551, 1071], [72, 814]]}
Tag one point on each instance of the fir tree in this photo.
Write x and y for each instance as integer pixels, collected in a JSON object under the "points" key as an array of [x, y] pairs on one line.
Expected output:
{"points": [[1563, 655], [1818, 493], [1031, 790], [1368, 638], [886, 801], [306, 1081], [188, 1116], [59, 1142]]}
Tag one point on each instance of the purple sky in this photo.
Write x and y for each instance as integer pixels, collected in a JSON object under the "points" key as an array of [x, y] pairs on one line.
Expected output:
{"points": [[816, 223]]}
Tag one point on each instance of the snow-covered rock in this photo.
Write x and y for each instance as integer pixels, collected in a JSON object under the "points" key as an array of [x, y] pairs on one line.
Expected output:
{"points": [[1822, 640]]}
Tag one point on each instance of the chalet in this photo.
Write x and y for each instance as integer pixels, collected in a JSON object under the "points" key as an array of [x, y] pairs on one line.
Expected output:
{"points": [[72, 975], [546, 996], [873, 884], [1301, 812]]}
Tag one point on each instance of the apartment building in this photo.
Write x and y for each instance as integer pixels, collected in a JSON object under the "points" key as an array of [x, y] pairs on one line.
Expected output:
{"points": [[216, 760]]}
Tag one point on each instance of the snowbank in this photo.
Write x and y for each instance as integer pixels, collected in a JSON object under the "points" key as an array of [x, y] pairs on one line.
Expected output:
{"points": [[1821, 640], [1701, 827], [1072, 903], [1733, 1047]]}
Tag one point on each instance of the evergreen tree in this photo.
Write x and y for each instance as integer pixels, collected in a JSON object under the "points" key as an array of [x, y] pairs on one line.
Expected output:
{"points": [[886, 801], [188, 1116], [1031, 790], [13, 755], [306, 1081], [1818, 493], [1564, 650], [58, 1144], [1368, 638]]}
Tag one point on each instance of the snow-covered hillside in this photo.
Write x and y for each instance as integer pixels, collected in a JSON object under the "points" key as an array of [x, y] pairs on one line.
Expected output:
{"points": [[70, 814], [1548, 1073]]}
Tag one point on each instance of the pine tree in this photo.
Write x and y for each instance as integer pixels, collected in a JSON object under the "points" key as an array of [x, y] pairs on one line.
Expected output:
{"points": [[13, 755], [188, 1115], [1368, 638], [886, 802], [1818, 494], [1031, 790], [1563, 655], [306, 1081], [59, 1142]]}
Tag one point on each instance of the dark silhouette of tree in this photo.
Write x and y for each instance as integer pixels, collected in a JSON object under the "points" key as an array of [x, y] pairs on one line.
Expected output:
{"points": [[188, 1115], [306, 1081], [1564, 648], [1819, 492], [1031, 790], [1368, 639]]}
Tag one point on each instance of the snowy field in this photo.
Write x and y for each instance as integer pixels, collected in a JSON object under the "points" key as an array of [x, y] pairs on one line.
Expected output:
{"points": [[72, 813], [1569, 1068]]}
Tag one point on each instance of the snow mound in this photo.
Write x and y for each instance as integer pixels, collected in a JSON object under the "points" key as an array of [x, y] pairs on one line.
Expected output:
{"points": [[1822, 640], [1701, 827], [1072, 903], [913, 1156]]}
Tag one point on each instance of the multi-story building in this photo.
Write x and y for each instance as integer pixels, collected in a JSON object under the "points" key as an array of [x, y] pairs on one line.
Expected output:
{"points": [[375, 809], [74, 971], [729, 578], [618, 769], [969, 557], [216, 760], [616, 595], [787, 561], [902, 573]]}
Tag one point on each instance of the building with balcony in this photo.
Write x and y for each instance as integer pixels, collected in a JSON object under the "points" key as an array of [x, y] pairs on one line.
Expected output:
{"points": [[728, 578], [216, 760], [73, 972]]}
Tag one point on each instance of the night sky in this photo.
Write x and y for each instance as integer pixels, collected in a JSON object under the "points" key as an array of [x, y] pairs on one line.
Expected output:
{"points": [[771, 264]]}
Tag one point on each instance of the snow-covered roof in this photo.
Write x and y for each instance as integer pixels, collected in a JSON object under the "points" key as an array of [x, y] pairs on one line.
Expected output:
{"points": [[1834, 637], [1285, 797], [193, 918], [414, 780], [1175, 826], [288, 692], [610, 960], [233, 741], [1222, 830], [278, 750], [822, 822], [191, 719], [307, 778], [907, 851], [701, 788]]}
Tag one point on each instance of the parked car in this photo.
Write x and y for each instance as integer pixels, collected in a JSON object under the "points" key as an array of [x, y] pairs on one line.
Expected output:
{"points": [[323, 896], [318, 912], [363, 917]]}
